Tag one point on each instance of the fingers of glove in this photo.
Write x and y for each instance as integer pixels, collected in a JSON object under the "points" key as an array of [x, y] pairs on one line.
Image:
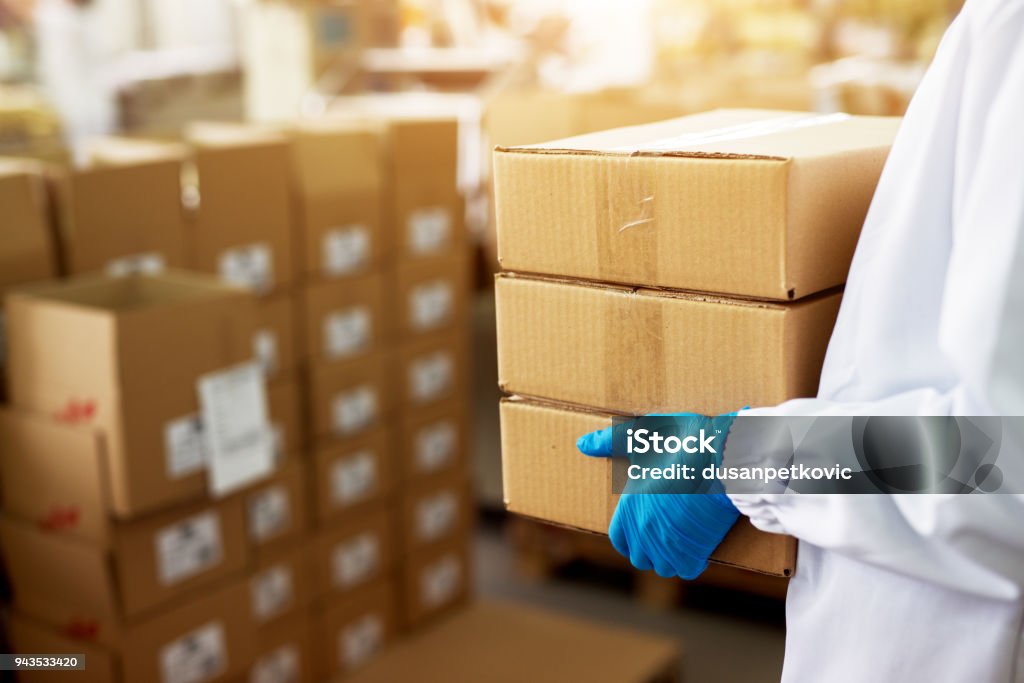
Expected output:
{"points": [[596, 444], [692, 570], [638, 558]]}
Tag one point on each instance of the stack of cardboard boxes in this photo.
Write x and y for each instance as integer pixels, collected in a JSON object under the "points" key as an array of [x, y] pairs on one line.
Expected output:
{"points": [[689, 265]]}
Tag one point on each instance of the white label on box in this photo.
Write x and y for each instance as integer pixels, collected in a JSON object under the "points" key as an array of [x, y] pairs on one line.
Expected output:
{"points": [[353, 478], [148, 263], [273, 592], [359, 641], [439, 582], [354, 410], [346, 249], [430, 305], [198, 656], [279, 666], [264, 348], [188, 548], [347, 332], [184, 446], [435, 446], [239, 439], [250, 266], [429, 229], [430, 377], [436, 516], [355, 560], [269, 513]]}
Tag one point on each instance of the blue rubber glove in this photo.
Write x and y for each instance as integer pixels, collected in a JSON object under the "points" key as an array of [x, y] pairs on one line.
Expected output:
{"points": [[672, 533]]}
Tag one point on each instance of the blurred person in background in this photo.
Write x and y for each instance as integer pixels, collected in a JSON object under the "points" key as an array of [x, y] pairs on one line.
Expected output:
{"points": [[905, 587]]}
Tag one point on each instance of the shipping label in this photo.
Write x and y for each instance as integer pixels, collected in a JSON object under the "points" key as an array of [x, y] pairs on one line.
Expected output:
{"points": [[436, 516], [273, 592], [431, 305], [184, 446], [347, 332], [430, 230], [148, 263], [354, 478], [356, 560], [188, 548], [198, 656], [439, 582], [360, 640], [279, 666], [431, 377], [435, 446], [354, 410], [270, 513], [346, 249], [251, 266]]}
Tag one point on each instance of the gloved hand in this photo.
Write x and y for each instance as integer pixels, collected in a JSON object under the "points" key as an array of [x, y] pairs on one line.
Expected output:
{"points": [[672, 533]]}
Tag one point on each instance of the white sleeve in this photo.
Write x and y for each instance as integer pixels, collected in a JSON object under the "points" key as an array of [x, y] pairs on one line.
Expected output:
{"points": [[973, 543]]}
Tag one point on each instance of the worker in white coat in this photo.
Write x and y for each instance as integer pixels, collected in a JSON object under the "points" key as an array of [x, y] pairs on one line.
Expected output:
{"points": [[908, 587]]}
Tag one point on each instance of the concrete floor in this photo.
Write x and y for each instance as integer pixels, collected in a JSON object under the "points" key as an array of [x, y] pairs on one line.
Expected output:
{"points": [[724, 636]]}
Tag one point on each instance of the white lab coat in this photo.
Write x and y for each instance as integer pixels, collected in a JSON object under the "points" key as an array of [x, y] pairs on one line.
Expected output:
{"points": [[925, 588]]}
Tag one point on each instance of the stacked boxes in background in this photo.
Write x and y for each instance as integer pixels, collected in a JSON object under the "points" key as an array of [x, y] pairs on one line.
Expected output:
{"points": [[695, 266]]}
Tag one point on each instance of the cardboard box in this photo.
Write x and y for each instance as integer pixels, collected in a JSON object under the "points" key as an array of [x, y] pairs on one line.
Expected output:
{"points": [[27, 249], [209, 634], [349, 398], [351, 555], [504, 642], [143, 230], [132, 336], [241, 228], [280, 587], [435, 581], [344, 319], [353, 630], [430, 295], [284, 652], [747, 202], [353, 474], [284, 403], [150, 563], [546, 477], [275, 343], [435, 510], [431, 370], [433, 440], [641, 351], [276, 510], [339, 179]]}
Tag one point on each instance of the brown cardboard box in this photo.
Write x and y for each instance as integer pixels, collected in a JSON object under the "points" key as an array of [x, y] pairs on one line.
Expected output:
{"points": [[151, 562], [754, 203], [344, 319], [352, 474], [122, 212], [435, 580], [275, 343], [27, 249], [241, 228], [430, 295], [280, 587], [431, 370], [435, 510], [211, 633], [501, 642], [547, 478], [284, 652], [284, 403], [348, 398], [434, 439], [353, 630], [640, 351], [350, 555], [131, 336], [339, 194], [276, 509]]}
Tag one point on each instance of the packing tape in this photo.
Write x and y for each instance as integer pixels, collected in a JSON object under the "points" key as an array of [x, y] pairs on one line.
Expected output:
{"points": [[634, 344], [627, 236]]}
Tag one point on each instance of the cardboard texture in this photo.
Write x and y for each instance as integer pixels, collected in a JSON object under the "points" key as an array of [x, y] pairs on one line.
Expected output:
{"points": [[431, 370], [284, 403], [284, 652], [276, 509], [353, 630], [436, 510], [352, 554], [352, 475], [546, 477], [640, 351], [434, 439], [27, 249], [755, 203], [275, 343], [132, 335], [435, 581], [348, 398], [501, 642], [122, 212], [339, 175], [280, 587], [429, 295], [151, 563], [241, 228], [344, 319]]}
